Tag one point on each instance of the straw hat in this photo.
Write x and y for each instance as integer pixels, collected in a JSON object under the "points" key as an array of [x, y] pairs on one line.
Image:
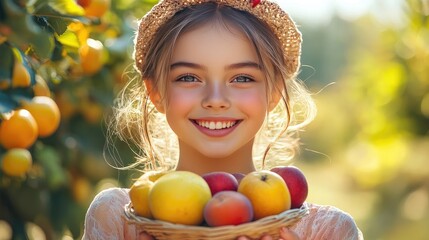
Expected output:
{"points": [[266, 11]]}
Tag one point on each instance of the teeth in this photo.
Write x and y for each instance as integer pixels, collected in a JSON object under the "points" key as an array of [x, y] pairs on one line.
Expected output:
{"points": [[214, 125]]}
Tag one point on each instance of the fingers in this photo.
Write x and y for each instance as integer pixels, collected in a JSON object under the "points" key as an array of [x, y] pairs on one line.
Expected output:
{"points": [[145, 236], [242, 238], [287, 234], [265, 237]]}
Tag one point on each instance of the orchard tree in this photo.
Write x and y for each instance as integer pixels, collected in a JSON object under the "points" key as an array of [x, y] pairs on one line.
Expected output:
{"points": [[61, 62]]}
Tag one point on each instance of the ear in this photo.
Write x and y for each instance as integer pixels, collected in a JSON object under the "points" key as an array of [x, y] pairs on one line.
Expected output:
{"points": [[154, 96]]}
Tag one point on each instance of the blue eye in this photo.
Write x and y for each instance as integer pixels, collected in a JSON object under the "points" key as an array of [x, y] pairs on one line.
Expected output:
{"points": [[187, 78], [242, 79]]}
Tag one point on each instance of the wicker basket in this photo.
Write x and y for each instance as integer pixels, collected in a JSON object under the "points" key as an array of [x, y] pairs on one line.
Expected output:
{"points": [[271, 225]]}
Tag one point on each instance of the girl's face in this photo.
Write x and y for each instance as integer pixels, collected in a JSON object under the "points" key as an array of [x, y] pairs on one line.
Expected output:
{"points": [[216, 93]]}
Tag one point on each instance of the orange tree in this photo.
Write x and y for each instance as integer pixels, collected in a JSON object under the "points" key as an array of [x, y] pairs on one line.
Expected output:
{"points": [[63, 60]]}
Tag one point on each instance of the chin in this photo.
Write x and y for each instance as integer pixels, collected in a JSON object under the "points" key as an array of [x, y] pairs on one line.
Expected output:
{"points": [[215, 155]]}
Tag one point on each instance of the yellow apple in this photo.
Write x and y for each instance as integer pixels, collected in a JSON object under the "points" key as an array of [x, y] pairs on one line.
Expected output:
{"points": [[152, 175], [179, 197], [267, 192], [139, 193]]}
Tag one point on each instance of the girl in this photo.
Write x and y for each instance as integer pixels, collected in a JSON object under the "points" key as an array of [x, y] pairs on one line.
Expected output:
{"points": [[220, 75]]}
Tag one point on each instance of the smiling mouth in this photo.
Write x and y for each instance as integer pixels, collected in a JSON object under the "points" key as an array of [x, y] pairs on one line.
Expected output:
{"points": [[216, 125]]}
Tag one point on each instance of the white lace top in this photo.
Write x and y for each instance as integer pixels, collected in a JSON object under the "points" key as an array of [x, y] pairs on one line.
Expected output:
{"points": [[105, 219]]}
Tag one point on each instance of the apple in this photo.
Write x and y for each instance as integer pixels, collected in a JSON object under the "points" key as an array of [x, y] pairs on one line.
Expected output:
{"points": [[228, 208], [267, 192], [220, 181], [296, 183], [179, 197], [83, 3], [238, 176]]}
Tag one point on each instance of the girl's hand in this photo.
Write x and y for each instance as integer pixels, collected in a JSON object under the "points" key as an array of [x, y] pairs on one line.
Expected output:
{"points": [[145, 236], [285, 234]]}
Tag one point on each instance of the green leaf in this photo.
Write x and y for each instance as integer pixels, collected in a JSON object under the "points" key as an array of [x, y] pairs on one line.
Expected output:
{"points": [[43, 46], [59, 25], [50, 160], [6, 64], [51, 20], [57, 54], [12, 10], [20, 94], [67, 7], [6, 103], [28, 33]]}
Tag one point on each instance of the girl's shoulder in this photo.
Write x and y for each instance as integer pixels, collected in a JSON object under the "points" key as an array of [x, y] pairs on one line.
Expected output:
{"points": [[112, 196], [327, 222], [108, 203], [327, 211], [105, 216]]}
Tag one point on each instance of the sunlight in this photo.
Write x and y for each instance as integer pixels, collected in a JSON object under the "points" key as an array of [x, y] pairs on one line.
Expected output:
{"points": [[321, 12]]}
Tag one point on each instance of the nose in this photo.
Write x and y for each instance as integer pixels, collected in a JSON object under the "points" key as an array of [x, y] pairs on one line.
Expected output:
{"points": [[216, 97]]}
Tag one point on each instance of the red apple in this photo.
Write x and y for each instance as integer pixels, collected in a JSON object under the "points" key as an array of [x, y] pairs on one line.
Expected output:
{"points": [[220, 181], [296, 183], [83, 3], [238, 176], [228, 208]]}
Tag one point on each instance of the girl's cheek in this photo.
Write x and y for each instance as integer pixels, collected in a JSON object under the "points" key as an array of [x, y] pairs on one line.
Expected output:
{"points": [[181, 99], [252, 98]]}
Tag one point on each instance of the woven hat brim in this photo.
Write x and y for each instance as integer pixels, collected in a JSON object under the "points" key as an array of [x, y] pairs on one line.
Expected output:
{"points": [[268, 12]]}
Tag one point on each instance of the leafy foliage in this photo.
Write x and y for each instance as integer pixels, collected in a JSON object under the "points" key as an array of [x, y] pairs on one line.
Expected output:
{"points": [[378, 132], [68, 166]]}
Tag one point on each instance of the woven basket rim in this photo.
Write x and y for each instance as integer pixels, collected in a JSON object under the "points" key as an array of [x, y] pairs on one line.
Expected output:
{"points": [[166, 230]]}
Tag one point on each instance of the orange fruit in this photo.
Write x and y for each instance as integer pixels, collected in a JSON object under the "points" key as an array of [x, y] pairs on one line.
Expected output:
{"points": [[41, 87], [46, 113], [20, 76], [4, 84], [97, 8], [91, 56], [18, 131], [64, 102], [81, 189], [16, 162], [2, 38], [92, 112]]}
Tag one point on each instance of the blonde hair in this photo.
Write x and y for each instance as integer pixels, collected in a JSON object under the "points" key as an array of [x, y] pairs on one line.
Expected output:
{"points": [[137, 122]]}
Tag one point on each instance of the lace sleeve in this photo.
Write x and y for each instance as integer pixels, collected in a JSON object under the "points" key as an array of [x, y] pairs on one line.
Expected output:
{"points": [[105, 220], [327, 222], [105, 217]]}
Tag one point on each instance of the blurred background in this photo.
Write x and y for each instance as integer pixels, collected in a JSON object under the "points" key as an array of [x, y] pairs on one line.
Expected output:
{"points": [[367, 152]]}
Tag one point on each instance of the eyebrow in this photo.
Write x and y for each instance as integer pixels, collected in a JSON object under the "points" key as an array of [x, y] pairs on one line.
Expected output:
{"points": [[186, 64], [248, 64]]}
